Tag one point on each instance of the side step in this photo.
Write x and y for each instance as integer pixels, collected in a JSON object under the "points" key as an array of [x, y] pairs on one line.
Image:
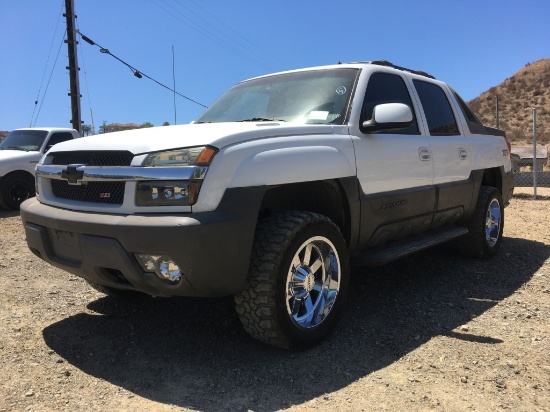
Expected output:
{"points": [[386, 253]]}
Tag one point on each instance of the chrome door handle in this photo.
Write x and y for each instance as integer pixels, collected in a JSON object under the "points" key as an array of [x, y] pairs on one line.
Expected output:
{"points": [[463, 154], [425, 154]]}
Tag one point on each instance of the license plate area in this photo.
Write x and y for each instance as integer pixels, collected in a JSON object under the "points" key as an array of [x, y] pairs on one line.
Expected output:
{"points": [[65, 245]]}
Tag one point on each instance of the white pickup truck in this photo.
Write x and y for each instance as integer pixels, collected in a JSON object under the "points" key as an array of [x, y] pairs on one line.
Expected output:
{"points": [[20, 152], [273, 190]]}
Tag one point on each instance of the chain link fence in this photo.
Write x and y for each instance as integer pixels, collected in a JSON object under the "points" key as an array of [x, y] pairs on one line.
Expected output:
{"points": [[531, 171]]}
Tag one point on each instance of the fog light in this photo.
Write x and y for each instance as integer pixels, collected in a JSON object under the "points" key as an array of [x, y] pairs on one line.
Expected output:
{"points": [[162, 266], [166, 269]]}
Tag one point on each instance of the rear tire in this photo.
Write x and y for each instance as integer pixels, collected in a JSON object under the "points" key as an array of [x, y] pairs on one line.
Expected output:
{"points": [[486, 225], [298, 280], [14, 190]]}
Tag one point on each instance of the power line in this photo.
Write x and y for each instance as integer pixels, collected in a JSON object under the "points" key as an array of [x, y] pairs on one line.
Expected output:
{"points": [[221, 39], [222, 23], [198, 28], [87, 88], [46, 67], [138, 73], [50, 78]]}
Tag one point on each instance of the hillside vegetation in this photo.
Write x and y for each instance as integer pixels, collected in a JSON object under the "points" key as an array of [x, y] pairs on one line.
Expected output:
{"points": [[527, 89]]}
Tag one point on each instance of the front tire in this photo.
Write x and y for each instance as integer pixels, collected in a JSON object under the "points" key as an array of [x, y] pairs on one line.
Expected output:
{"points": [[298, 280], [486, 225], [14, 190]]}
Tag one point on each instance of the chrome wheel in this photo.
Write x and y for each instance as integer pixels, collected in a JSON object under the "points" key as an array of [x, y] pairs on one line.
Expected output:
{"points": [[493, 223], [485, 225], [298, 281], [313, 282]]}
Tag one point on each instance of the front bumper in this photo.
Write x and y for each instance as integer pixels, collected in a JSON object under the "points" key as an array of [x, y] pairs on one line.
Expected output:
{"points": [[212, 248]]}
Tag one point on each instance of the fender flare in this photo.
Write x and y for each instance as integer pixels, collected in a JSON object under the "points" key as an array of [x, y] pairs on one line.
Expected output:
{"points": [[292, 165]]}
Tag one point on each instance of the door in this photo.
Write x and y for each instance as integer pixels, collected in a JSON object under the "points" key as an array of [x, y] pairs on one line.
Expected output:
{"points": [[450, 154], [394, 170]]}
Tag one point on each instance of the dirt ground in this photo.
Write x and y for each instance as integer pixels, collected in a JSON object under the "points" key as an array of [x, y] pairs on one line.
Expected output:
{"points": [[432, 332]]}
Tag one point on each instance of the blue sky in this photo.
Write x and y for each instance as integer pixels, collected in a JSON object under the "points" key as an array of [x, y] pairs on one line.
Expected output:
{"points": [[471, 44]]}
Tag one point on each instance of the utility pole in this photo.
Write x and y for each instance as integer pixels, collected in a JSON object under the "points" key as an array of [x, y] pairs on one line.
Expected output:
{"points": [[73, 66], [534, 153], [496, 115]]}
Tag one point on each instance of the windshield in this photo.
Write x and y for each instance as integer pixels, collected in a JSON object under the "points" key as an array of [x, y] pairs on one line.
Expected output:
{"points": [[27, 140], [312, 97]]}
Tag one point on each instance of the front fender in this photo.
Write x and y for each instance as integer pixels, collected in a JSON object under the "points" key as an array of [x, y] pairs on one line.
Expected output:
{"points": [[292, 165], [276, 161]]}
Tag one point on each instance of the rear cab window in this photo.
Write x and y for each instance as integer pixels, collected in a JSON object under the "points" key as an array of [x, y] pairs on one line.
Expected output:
{"points": [[473, 122]]}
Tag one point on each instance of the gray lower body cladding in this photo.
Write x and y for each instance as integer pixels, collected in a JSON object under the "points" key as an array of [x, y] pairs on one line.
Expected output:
{"points": [[212, 249], [507, 187]]}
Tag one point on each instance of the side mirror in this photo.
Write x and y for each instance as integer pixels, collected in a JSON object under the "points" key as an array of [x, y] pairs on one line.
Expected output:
{"points": [[388, 116]]}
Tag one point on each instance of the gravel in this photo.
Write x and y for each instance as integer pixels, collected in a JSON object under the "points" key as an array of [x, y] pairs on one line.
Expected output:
{"points": [[431, 332]]}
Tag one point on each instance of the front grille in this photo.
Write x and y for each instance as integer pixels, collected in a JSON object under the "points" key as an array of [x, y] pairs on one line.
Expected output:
{"points": [[94, 192], [93, 158]]}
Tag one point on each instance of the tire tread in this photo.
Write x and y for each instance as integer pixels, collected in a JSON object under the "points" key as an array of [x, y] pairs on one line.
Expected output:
{"points": [[256, 305]]}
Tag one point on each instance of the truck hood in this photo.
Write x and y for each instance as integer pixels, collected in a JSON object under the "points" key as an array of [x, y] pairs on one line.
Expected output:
{"points": [[19, 155], [219, 135]]}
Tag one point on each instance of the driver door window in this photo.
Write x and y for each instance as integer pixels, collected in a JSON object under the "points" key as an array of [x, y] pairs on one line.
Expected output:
{"points": [[387, 88]]}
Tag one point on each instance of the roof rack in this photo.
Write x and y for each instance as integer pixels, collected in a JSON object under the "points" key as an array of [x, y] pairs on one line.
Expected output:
{"points": [[389, 64]]}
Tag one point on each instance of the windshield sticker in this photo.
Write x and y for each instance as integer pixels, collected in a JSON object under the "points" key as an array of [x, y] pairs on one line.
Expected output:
{"points": [[318, 115], [341, 90]]}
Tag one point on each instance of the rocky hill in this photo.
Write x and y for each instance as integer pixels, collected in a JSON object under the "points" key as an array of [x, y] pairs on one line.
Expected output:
{"points": [[527, 89]]}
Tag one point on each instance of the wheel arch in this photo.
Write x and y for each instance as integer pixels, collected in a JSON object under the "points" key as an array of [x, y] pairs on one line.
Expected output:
{"points": [[493, 177], [21, 172], [338, 199]]}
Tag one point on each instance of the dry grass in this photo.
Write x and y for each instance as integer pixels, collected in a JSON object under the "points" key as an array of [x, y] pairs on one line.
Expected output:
{"points": [[527, 89], [543, 193]]}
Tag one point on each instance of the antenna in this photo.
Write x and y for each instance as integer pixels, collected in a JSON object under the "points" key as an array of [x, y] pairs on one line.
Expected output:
{"points": [[174, 77]]}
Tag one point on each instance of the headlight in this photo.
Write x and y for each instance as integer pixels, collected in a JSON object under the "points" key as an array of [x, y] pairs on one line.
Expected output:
{"points": [[167, 193], [190, 156], [194, 162]]}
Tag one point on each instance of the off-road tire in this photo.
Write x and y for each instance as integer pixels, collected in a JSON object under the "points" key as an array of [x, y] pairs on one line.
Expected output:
{"points": [[484, 235], [14, 190], [262, 306]]}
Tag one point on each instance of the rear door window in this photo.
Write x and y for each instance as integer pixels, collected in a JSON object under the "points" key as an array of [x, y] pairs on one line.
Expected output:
{"points": [[439, 115]]}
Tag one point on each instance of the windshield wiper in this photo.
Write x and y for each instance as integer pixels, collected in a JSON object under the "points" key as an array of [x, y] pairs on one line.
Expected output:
{"points": [[15, 148], [260, 119]]}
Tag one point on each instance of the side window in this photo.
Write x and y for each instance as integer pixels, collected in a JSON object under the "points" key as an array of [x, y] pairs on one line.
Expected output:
{"points": [[440, 117], [58, 138], [387, 88]]}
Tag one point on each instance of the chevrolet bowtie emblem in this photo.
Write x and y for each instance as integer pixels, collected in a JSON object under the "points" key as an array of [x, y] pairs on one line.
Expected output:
{"points": [[72, 174]]}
